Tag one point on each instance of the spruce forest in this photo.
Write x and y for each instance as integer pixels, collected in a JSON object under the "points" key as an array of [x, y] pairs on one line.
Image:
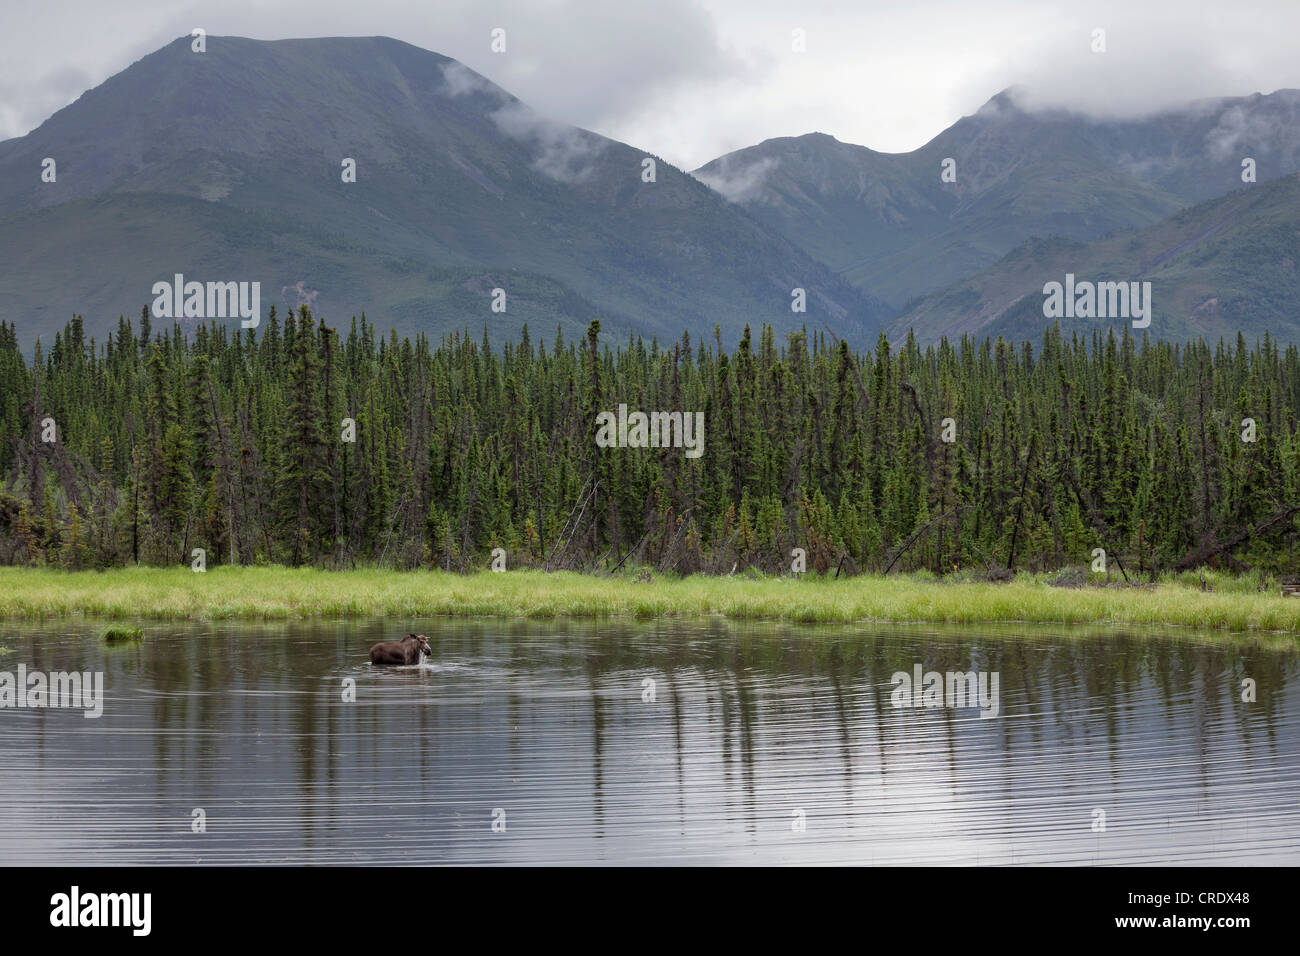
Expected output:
{"points": [[979, 457]]}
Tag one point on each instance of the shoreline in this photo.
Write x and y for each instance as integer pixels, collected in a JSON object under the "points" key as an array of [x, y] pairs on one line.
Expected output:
{"points": [[278, 593]]}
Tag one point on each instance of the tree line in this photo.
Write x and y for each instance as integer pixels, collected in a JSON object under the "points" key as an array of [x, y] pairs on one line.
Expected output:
{"points": [[298, 444]]}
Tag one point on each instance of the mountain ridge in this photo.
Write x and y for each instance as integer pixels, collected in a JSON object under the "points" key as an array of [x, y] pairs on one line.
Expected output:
{"points": [[1228, 265], [228, 163], [887, 221]]}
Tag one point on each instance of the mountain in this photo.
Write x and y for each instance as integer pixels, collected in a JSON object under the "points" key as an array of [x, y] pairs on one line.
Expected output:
{"points": [[226, 166], [888, 223], [1221, 266]]}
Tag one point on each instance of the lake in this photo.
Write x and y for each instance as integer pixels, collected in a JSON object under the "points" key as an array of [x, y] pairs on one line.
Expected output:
{"points": [[651, 743]]}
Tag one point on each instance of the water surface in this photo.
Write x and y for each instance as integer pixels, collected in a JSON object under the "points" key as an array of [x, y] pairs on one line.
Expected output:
{"points": [[552, 730]]}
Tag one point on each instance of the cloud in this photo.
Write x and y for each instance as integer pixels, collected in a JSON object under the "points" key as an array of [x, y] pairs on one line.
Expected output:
{"points": [[738, 185], [564, 153], [1158, 56], [1236, 131], [25, 103], [460, 80], [692, 79], [586, 62]]}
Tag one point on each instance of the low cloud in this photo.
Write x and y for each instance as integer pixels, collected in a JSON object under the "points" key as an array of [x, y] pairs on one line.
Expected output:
{"points": [[1236, 131], [1118, 60], [738, 185], [460, 80], [563, 153]]}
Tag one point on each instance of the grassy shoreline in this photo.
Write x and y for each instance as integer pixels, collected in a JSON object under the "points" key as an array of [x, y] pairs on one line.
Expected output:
{"points": [[283, 593]]}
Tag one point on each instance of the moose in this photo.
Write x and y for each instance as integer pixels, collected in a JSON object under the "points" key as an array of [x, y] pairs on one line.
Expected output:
{"points": [[405, 651]]}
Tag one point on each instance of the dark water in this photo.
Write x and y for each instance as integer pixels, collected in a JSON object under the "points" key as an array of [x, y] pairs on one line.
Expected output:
{"points": [[749, 726]]}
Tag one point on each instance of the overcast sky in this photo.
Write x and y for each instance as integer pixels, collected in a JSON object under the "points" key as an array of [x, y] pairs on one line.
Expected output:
{"points": [[692, 79]]}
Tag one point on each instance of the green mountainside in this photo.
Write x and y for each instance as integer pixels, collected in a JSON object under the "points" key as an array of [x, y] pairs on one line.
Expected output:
{"points": [[226, 165]]}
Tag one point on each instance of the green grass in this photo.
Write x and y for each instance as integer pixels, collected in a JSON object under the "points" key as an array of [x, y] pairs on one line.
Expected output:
{"points": [[122, 635], [282, 593]]}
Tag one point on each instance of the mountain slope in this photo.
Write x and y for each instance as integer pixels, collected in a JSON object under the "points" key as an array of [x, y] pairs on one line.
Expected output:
{"points": [[887, 222], [226, 165], [1222, 266]]}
